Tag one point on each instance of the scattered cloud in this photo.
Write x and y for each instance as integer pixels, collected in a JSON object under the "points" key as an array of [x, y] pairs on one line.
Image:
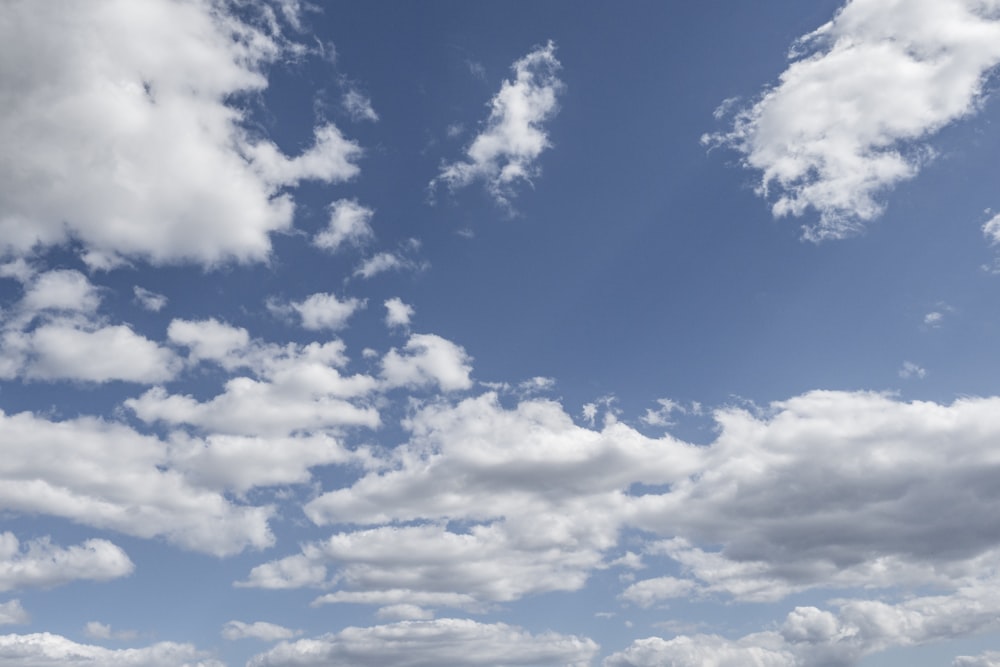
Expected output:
{"points": [[325, 311], [397, 313], [845, 121], [98, 630], [427, 359], [41, 564], [12, 613], [358, 106], [910, 370], [350, 222], [149, 300], [505, 152], [431, 643], [269, 632]]}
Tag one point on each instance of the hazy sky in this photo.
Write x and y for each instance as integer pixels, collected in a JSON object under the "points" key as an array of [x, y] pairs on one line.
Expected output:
{"points": [[461, 333]]}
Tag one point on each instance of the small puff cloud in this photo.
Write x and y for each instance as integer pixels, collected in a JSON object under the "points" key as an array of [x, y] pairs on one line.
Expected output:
{"points": [[350, 222], [397, 313], [507, 149]]}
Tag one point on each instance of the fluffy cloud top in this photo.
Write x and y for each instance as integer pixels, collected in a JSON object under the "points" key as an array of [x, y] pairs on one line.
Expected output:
{"points": [[350, 222], [41, 564], [507, 149], [112, 143], [234, 630], [839, 127]]}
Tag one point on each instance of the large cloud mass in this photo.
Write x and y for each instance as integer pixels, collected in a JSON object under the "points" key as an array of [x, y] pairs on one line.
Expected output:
{"points": [[839, 127], [118, 133]]}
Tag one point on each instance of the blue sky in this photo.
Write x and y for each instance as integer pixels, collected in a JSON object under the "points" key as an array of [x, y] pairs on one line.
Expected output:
{"points": [[456, 333]]}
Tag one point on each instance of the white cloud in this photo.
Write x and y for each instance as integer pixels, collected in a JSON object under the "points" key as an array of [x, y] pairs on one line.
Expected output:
{"points": [[428, 359], [507, 149], [812, 636], [933, 319], [404, 612], [445, 641], [533, 500], [63, 351], [991, 230], [106, 475], [359, 106], [41, 564], [326, 311], [350, 222], [66, 290], [270, 632], [131, 154], [48, 650], [291, 390], [98, 630], [844, 121], [12, 613], [209, 339], [397, 313], [149, 300], [400, 260]]}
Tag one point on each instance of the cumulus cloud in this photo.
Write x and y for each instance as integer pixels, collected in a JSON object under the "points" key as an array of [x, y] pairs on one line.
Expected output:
{"points": [[402, 259], [397, 313], [12, 613], [209, 340], [445, 641], [350, 222], [841, 638], [481, 505], [65, 290], [288, 390], [507, 149], [107, 475], [61, 350], [991, 230], [270, 632], [133, 155], [428, 359], [41, 564], [326, 311], [48, 650], [845, 121], [988, 659], [910, 370]]}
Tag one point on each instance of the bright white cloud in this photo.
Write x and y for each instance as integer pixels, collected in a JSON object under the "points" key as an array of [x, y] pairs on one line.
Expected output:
{"points": [[12, 613], [651, 591], [991, 230], [842, 124], [106, 475], [209, 339], [63, 351], [507, 149], [41, 564], [397, 313], [65, 290], [326, 311], [350, 222], [48, 650], [131, 154], [428, 359], [358, 106], [270, 632], [290, 390], [445, 641]]}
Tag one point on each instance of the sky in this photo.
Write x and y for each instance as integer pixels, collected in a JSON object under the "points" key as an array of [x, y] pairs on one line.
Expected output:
{"points": [[499, 334]]}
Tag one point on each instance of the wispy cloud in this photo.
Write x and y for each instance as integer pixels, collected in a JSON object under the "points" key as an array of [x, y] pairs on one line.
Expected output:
{"points": [[506, 151]]}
